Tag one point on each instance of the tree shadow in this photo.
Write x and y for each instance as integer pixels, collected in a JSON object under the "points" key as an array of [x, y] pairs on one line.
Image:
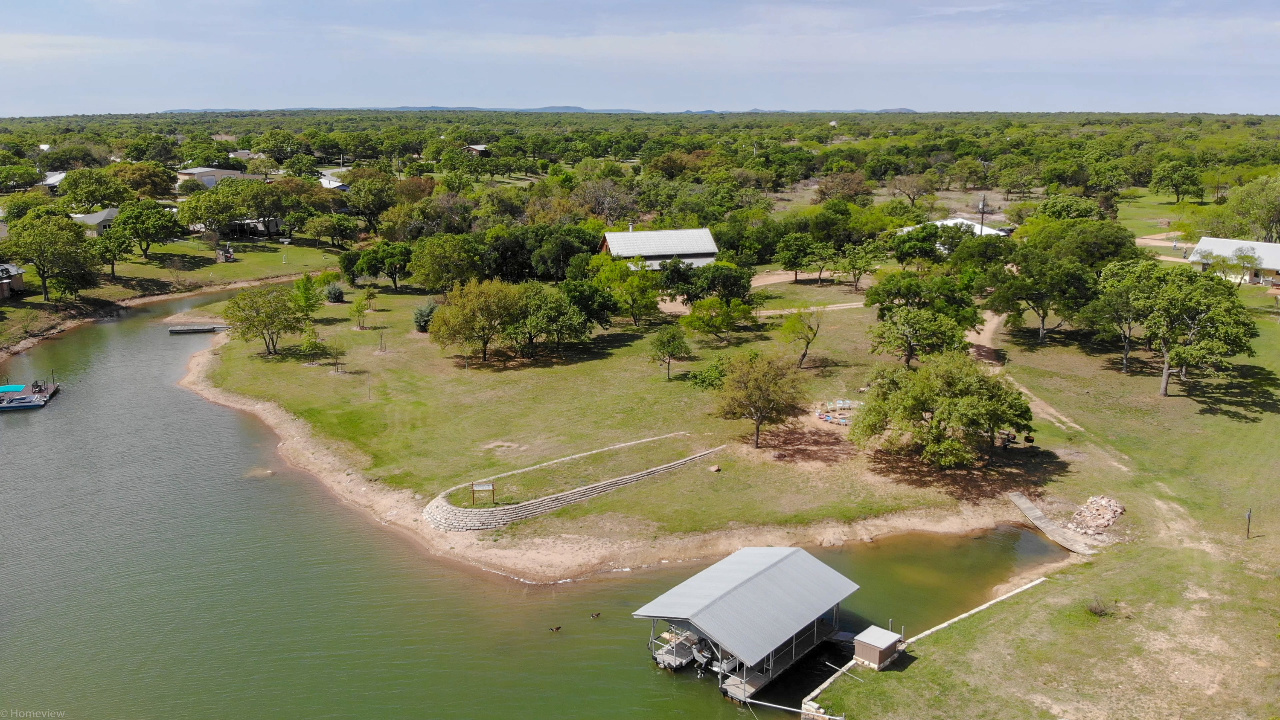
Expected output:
{"points": [[143, 286], [1245, 396], [599, 347], [1027, 339], [796, 443], [1024, 469], [179, 261]]}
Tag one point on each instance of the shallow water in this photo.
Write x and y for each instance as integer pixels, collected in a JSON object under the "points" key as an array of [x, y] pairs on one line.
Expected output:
{"points": [[150, 567]]}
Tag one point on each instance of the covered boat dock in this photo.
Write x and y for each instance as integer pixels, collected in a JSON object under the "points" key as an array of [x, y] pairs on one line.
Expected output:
{"points": [[749, 617]]}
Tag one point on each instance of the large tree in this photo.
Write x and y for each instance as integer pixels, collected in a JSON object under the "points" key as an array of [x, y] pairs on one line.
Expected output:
{"points": [[948, 411], [370, 198], [910, 334], [90, 189], [443, 260], [475, 314], [1178, 179], [764, 390], [1042, 284], [147, 179], [1121, 306], [147, 223], [715, 317], [111, 247], [266, 314], [1194, 319], [55, 246], [793, 253], [942, 294]]}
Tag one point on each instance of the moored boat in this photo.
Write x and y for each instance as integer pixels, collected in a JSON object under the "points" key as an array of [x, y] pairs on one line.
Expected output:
{"points": [[27, 397]]}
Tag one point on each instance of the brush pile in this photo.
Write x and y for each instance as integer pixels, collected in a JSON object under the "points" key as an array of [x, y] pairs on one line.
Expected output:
{"points": [[1096, 515]]}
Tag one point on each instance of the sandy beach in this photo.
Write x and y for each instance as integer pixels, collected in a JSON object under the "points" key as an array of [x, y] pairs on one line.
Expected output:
{"points": [[561, 557]]}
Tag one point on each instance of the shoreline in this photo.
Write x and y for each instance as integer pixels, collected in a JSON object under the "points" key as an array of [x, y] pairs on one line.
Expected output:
{"points": [[561, 558], [71, 323]]}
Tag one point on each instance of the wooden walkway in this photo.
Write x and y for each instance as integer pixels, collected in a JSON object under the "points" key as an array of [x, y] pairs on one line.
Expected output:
{"points": [[1056, 532]]}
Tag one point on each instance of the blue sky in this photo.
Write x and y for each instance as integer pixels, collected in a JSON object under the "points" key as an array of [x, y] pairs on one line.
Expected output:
{"points": [[89, 56]]}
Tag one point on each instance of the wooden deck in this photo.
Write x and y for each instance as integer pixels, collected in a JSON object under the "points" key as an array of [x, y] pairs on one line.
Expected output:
{"points": [[1067, 539]]}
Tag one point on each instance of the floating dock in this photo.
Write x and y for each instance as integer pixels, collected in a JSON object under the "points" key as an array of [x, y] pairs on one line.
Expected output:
{"points": [[194, 329], [27, 397]]}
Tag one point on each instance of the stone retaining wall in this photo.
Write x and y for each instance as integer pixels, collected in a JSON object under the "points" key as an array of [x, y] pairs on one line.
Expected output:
{"points": [[444, 515]]}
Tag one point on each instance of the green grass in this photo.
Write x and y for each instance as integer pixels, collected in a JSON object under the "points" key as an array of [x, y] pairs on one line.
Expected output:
{"points": [[415, 417], [175, 267], [1197, 627], [1151, 214], [807, 293], [539, 482]]}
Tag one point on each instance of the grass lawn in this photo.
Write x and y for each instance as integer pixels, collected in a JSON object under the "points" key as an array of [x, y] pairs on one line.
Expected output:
{"points": [[1151, 214], [414, 417], [1195, 623], [174, 267], [808, 293]]}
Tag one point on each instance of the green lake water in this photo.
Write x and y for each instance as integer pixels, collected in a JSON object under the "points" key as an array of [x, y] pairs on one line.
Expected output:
{"points": [[150, 569]]}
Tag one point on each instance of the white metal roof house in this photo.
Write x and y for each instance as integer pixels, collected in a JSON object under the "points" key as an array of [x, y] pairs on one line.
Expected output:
{"points": [[978, 229], [53, 179], [1267, 253], [696, 247], [210, 176], [748, 617]]}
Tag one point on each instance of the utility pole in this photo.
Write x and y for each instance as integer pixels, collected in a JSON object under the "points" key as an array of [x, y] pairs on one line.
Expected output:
{"points": [[1248, 523], [982, 213]]}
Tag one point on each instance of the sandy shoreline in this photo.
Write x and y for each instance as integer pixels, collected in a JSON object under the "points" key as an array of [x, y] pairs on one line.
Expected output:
{"points": [[30, 342], [563, 557]]}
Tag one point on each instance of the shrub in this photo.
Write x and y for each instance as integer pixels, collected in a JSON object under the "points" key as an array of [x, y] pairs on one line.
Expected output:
{"points": [[710, 377], [422, 316], [333, 293]]}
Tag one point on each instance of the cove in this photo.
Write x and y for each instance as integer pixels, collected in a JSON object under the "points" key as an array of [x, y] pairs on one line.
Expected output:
{"points": [[151, 566]]}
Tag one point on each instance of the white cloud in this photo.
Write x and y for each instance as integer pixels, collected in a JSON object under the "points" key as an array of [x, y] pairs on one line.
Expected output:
{"points": [[39, 47]]}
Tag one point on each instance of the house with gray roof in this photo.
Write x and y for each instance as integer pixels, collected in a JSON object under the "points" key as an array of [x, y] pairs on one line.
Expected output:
{"points": [[98, 222], [696, 247], [1268, 254], [11, 281], [748, 617]]}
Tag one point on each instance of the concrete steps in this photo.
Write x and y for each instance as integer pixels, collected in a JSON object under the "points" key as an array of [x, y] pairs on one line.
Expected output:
{"points": [[444, 515]]}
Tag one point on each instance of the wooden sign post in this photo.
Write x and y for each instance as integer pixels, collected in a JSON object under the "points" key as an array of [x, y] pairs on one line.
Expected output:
{"points": [[484, 486]]}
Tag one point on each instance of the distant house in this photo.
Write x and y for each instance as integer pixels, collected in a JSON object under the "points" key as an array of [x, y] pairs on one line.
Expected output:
{"points": [[52, 180], [479, 150], [10, 280], [98, 222], [333, 183], [210, 176], [978, 229], [246, 155], [1268, 253], [695, 247]]}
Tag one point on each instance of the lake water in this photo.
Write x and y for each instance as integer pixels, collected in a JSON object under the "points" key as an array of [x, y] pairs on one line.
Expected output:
{"points": [[149, 568]]}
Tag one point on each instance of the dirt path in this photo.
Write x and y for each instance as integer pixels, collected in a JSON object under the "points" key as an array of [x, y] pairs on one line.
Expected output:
{"points": [[983, 341], [790, 311], [773, 277]]}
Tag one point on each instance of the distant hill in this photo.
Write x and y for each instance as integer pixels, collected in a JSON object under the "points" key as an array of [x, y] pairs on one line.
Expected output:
{"points": [[547, 109], [427, 108]]}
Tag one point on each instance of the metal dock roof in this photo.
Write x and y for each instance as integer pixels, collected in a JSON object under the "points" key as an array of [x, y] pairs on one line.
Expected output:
{"points": [[754, 600]]}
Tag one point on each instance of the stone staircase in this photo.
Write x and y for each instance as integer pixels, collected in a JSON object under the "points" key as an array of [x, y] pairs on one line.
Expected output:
{"points": [[444, 515]]}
